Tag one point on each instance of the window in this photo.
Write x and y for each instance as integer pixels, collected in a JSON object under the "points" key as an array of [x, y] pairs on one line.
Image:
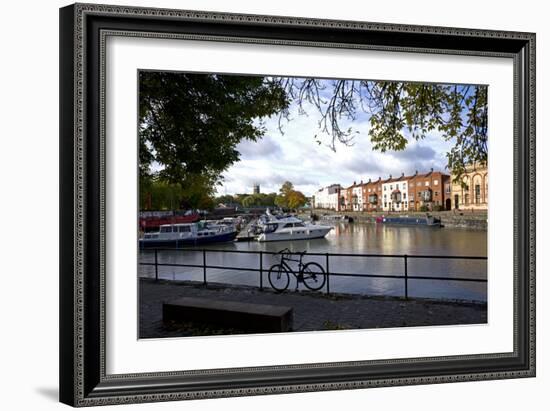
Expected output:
{"points": [[427, 183], [436, 193], [166, 229], [404, 196], [477, 191], [436, 182], [418, 184], [391, 187], [404, 186], [184, 229]]}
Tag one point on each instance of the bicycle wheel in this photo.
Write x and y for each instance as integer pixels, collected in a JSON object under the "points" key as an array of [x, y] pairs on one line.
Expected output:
{"points": [[314, 276], [278, 277]]}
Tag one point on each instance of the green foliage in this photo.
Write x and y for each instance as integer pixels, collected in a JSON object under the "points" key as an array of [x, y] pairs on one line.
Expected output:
{"points": [[286, 188], [290, 198], [399, 112], [157, 194], [190, 124], [296, 199], [261, 199], [424, 208]]}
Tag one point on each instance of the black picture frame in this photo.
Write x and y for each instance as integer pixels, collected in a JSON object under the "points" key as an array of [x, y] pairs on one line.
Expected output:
{"points": [[83, 381]]}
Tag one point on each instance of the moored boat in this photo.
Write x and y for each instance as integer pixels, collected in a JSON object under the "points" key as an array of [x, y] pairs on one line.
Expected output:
{"points": [[338, 218], [428, 220], [288, 228], [179, 235]]}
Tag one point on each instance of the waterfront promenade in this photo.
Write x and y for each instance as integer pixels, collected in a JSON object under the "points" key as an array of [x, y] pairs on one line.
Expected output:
{"points": [[312, 311]]}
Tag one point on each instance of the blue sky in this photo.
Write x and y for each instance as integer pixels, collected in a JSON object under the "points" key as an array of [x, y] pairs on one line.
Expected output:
{"points": [[296, 157]]}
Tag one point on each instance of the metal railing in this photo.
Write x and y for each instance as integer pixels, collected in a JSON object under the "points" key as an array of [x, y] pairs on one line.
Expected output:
{"points": [[406, 277]]}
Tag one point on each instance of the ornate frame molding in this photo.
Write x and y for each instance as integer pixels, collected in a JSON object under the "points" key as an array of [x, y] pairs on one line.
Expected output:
{"points": [[82, 356]]}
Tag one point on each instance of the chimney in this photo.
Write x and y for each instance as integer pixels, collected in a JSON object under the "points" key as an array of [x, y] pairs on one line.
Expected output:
{"points": [[361, 181], [390, 175], [431, 170], [402, 174], [369, 180], [354, 183], [416, 173]]}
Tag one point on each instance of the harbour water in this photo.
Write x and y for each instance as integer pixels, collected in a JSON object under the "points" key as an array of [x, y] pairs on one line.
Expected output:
{"points": [[356, 238]]}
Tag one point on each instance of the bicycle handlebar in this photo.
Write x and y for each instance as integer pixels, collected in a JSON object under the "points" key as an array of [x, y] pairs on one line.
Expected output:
{"points": [[287, 251]]}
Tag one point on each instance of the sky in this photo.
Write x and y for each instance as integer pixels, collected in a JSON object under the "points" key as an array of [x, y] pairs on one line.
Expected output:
{"points": [[295, 156]]}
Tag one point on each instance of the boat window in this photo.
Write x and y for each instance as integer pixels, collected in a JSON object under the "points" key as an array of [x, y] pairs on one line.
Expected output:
{"points": [[184, 229], [299, 225], [166, 229], [288, 225]]}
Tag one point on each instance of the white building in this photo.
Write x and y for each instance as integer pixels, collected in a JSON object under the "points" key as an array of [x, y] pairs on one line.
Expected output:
{"points": [[328, 197], [357, 196], [395, 194]]}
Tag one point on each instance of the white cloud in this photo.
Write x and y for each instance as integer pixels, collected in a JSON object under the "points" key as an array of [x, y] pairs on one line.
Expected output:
{"points": [[296, 156]]}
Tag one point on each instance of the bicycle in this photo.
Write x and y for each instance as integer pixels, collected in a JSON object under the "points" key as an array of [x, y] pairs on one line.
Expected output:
{"points": [[311, 274]]}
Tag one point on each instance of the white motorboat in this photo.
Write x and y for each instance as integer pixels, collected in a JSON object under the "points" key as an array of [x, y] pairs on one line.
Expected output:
{"points": [[288, 228]]}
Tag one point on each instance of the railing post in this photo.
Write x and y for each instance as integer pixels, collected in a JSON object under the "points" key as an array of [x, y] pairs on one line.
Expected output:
{"points": [[406, 278], [204, 266], [328, 274], [156, 266], [261, 271]]}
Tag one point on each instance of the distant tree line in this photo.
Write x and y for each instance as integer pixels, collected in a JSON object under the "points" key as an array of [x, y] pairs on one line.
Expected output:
{"points": [[287, 198], [157, 194]]}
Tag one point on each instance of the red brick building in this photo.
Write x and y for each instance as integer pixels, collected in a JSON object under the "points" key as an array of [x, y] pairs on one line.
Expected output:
{"points": [[430, 190]]}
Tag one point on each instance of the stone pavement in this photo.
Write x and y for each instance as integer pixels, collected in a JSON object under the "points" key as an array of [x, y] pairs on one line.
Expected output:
{"points": [[313, 311]]}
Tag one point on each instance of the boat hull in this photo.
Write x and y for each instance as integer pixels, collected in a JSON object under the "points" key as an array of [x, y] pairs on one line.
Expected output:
{"points": [[182, 242], [414, 221], [303, 234]]}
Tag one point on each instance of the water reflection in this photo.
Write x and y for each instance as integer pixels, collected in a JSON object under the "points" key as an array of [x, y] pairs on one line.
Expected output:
{"points": [[353, 239]]}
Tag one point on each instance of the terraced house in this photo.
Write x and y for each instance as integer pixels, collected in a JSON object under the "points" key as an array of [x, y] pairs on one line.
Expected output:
{"points": [[372, 195], [431, 191], [395, 194]]}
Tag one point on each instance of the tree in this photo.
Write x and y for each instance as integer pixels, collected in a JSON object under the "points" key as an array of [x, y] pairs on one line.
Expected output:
{"points": [[286, 188], [190, 124], [281, 201], [158, 194], [398, 112], [296, 199], [288, 197]]}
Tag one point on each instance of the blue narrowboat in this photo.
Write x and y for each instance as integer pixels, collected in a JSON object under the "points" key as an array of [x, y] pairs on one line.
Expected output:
{"points": [[428, 221]]}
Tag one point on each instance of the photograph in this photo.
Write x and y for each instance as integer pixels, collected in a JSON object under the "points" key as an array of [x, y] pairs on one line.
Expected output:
{"points": [[279, 204], [292, 200]]}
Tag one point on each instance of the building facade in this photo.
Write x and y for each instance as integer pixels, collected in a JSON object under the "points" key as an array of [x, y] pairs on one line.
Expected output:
{"points": [[328, 198], [429, 191], [473, 192], [395, 194], [372, 195]]}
